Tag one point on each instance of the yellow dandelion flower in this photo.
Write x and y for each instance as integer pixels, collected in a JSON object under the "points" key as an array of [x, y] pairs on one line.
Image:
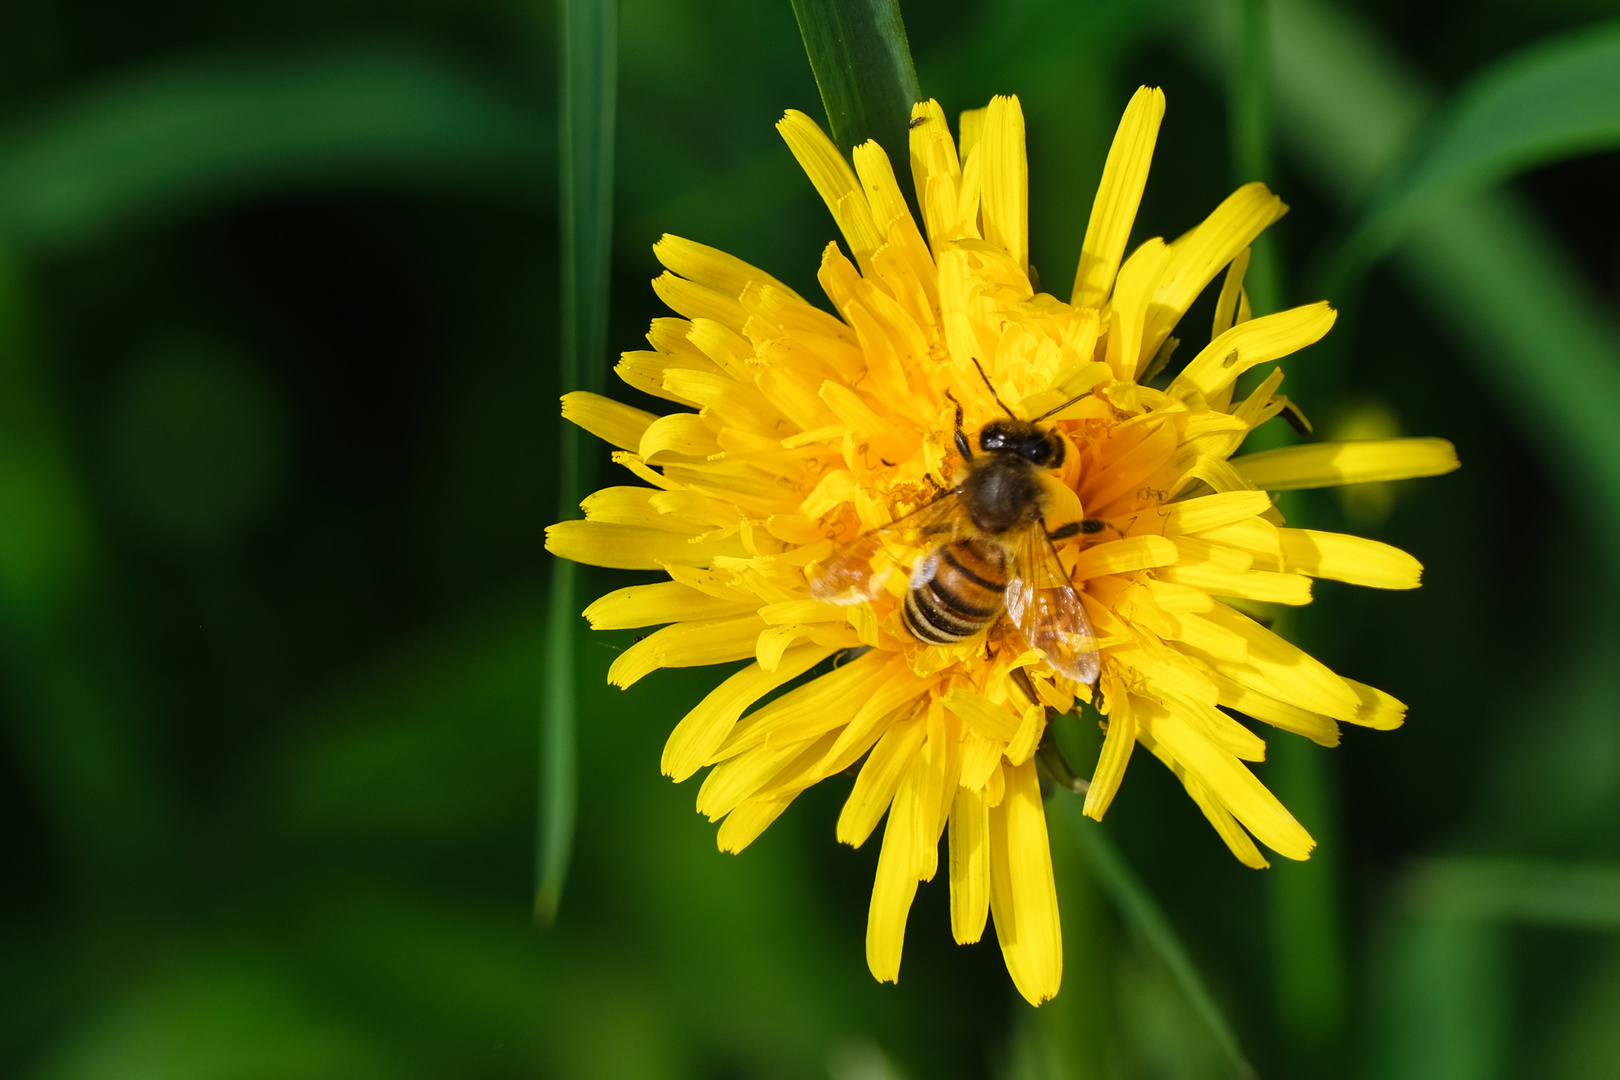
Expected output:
{"points": [[803, 431]]}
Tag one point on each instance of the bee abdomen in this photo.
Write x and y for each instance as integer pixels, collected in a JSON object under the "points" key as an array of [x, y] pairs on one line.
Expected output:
{"points": [[962, 597]]}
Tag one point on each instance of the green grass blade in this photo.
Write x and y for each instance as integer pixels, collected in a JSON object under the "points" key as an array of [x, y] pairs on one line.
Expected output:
{"points": [[1251, 142], [1148, 924], [1548, 102], [863, 68], [198, 134], [1308, 967], [589, 38]]}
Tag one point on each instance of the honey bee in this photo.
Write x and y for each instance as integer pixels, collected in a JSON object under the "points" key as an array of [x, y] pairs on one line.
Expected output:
{"points": [[987, 550]]}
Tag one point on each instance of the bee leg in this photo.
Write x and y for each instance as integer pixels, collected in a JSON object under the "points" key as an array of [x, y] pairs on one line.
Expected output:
{"points": [[962, 446], [1073, 528]]}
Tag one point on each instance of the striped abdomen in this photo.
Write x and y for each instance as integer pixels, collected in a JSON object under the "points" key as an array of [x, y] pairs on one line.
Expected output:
{"points": [[956, 592]]}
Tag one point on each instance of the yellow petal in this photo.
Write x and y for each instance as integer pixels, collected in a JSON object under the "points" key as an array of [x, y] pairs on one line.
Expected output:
{"points": [[1059, 502], [809, 710], [699, 301], [801, 611], [1208, 637], [982, 715], [1229, 781], [928, 808], [1124, 556], [970, 123], [1226, 305], [1315, 465], [1031, 726], [629, 547], [1221, 729], [1258, 537], [1005, 201], [1258, 401], [935, 170], [1226, 826], [878, 780], [1023, 897], [751, 818], [970, 865], [630, 505], [733, 403], [1133, 289], [732, 782], [1178, 599], [883, 195], [711, 266], [645, 371], [996, 786], [1264, 585], [878, 694], [980, 756], [1113, 212], [1195, 550], [1200, 254], [1285, 671], [1375, 708], [607, 419], [662, 602], [1349, 558], [698, 736], [1322, 730], [684, 434], [833, 179], [1269, 337], [892, 891], [691, 644], [1118, 742], [1213, 511]]}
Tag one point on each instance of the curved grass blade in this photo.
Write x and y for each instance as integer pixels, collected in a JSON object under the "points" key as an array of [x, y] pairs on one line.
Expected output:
{"points": [[199, 134], [589, 38], [863, 68], [1548, 102], [1148, 924]]}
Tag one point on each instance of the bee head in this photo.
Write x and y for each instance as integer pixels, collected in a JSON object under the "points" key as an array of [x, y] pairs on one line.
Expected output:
{"points": [[1021, 439]]}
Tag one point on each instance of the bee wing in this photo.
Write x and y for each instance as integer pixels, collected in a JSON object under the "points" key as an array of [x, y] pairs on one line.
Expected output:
{"points": [[856, 573], [1047, 610]]}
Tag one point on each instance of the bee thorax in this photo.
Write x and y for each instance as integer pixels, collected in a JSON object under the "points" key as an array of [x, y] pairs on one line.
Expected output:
{"points": [[1001, 494]]}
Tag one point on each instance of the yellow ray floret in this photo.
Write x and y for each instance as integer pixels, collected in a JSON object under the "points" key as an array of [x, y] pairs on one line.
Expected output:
{"points": [[798, 430]]}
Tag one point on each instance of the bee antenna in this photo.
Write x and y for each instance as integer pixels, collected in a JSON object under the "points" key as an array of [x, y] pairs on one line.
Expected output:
{"points": [[992, 388], [1060, 408]]}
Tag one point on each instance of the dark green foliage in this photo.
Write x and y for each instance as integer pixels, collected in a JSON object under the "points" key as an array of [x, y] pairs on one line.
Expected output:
{"points": [[280, 304]]}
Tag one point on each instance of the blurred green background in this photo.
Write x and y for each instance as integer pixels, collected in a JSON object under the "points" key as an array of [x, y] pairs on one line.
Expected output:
{"points": [[278, 337]]}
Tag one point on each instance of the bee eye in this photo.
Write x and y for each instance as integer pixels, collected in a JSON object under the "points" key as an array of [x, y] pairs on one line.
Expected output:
{"points": [[1037, 451]]}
